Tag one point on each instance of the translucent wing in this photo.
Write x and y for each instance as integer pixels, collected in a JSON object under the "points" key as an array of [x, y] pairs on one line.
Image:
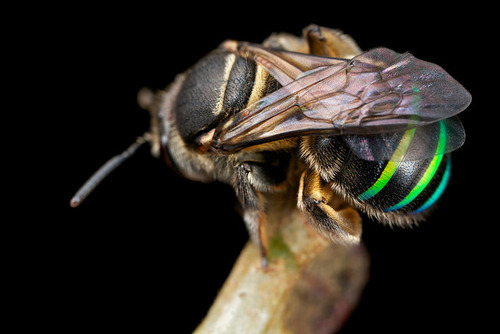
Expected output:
{"points": [[375, 93], [413, 144]]}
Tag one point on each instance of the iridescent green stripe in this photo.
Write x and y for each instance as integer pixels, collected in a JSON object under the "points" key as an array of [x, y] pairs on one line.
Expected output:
{"points": [[429, 173], [391, 166], [439, 190]]}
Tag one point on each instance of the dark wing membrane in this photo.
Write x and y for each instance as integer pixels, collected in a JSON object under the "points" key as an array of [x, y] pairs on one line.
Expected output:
{"points": [[377, 92], [413, 144]]}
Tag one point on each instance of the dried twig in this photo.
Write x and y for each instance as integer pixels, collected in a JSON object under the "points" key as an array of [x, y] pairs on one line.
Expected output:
{"points": [[310, 287]]}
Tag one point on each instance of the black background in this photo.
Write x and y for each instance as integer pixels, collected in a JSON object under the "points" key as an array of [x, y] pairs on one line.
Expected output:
{"points": [[149, 249]]}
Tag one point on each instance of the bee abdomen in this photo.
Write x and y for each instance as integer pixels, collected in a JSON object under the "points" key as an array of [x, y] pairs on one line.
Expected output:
{"points": [[393, 190], [413, 187]]}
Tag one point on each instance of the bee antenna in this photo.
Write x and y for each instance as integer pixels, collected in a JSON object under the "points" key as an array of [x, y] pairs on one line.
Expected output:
{"points": [[105, 170]]}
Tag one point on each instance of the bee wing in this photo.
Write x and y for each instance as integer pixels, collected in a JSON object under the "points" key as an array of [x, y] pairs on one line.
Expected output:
{"points": [[375, 93], [286, 66], [413, 144]]}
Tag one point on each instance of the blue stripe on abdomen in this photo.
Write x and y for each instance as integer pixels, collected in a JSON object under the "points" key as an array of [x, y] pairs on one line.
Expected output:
{"points": [[439, 189]]}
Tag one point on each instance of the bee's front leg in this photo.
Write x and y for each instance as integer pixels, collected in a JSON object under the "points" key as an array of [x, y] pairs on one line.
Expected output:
{"points": [[340, 225], [252, 179], [253, 204]]}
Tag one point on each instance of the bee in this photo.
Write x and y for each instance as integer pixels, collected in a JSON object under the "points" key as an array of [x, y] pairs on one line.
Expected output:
{"points": [[374, 128]]}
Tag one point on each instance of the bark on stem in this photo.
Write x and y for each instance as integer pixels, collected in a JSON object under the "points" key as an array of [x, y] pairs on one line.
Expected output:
{"points": [[311, 285]]}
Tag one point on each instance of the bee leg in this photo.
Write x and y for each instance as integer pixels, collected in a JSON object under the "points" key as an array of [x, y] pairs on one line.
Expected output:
{"points": [[340, 225], [253, 204], [255, 223], [252, 179], [330, 42]]}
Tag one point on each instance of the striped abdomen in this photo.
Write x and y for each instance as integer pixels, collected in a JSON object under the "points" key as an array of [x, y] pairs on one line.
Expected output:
{"points": [[397, 190]]}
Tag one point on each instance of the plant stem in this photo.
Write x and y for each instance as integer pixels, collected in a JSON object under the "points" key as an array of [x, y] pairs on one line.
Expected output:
{"points": [[311, 285]]}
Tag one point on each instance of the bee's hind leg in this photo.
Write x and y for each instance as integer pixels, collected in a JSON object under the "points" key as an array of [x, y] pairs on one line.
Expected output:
{"points": [[341, 225], [330, 42]]}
